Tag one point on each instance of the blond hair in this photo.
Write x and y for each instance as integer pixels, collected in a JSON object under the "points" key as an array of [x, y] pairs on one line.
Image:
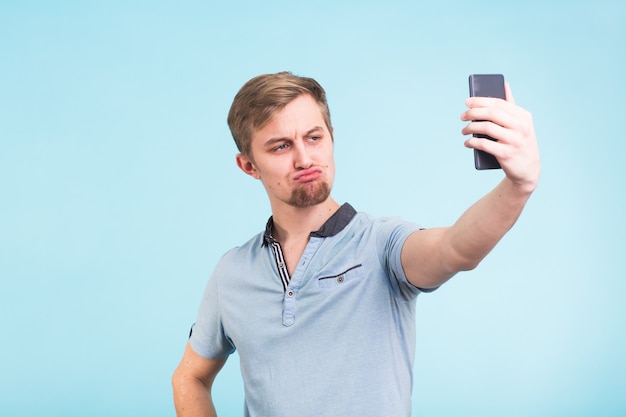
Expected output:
{"points": [[262, 97]]}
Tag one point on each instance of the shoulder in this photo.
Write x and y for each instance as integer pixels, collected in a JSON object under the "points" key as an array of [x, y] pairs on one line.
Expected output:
{"points": [[384, 227], [247, 251], [383, 235], [383, 238]]}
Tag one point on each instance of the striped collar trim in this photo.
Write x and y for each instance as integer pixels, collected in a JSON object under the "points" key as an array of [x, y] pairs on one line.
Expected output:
{"points": [[335, 224]]}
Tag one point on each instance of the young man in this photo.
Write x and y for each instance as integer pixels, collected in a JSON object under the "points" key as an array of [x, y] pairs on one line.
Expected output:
{"points": [[321, 305]]}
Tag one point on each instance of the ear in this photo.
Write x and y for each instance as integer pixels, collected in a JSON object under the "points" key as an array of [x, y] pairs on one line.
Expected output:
{"points": [[247, 166]]}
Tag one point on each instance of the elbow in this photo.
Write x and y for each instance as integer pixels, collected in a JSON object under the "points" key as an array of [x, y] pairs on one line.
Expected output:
{"points": [[180, 382], [177, 380], [185, 393]]}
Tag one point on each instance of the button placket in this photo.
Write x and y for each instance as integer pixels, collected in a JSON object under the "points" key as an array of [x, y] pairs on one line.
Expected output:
{"points": [[291, 292], [289, 308]]}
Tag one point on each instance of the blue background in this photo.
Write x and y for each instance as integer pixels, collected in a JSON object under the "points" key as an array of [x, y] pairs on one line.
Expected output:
{"points": [[119, 190]]}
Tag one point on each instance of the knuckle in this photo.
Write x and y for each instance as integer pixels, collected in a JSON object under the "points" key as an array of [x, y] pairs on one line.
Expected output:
{"points": [[490, 129]]}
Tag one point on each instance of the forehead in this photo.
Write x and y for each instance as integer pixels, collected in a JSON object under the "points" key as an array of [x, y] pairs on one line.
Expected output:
{"points": [[300, 115]]}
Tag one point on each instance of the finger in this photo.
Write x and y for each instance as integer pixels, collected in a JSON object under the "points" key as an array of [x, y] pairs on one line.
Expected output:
{"points": [[490, 129], [474, 102], [484, 144], [508, 93], [500, 116]]}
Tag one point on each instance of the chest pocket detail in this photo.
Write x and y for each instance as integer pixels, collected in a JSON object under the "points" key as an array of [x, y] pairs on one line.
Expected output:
{"points": [[340, 279]]}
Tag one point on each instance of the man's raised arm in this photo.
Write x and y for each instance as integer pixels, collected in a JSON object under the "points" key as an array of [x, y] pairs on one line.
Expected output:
{"points": [[432, 256]]}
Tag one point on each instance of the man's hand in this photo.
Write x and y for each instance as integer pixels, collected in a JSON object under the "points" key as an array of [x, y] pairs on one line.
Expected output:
{"points": [[516, 148]]}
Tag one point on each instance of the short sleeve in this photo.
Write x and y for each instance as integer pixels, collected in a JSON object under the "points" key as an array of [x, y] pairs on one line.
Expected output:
{"points": [[392, 233], [207, 337]]}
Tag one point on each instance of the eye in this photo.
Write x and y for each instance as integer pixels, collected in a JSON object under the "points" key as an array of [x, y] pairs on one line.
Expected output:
{"points": [[314, 138], [281, 147]]}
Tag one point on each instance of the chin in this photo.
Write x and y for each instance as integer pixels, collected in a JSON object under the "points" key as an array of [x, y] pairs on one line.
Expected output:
{"points": [[310, 196]]}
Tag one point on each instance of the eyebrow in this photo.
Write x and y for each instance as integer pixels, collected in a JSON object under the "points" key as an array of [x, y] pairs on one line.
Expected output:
{"points": [[315, 129], [272, 141]]}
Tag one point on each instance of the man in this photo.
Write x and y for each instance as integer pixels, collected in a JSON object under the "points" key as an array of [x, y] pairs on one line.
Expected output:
{"points": [[321, 305]]}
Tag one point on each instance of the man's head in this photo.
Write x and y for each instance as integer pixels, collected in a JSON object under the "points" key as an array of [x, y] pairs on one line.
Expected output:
{"points": [[262, 97]]}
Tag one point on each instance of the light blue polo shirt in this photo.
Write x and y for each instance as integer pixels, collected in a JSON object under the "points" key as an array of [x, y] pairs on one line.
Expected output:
{"points": [[337, 338]]}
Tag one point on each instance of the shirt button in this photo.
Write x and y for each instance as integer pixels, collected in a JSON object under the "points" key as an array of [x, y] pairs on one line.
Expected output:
{"points": [[290, 293], [340, 279]]}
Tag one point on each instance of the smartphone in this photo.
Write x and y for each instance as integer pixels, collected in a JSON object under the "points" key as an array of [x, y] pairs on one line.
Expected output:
{"points": [[486, 85]]}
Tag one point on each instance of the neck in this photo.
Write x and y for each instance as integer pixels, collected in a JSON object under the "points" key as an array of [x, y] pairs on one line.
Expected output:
{"points": [[296, 223]]}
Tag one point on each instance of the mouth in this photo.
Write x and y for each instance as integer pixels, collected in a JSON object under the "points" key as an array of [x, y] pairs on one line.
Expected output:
{"points": [[309, 174]]}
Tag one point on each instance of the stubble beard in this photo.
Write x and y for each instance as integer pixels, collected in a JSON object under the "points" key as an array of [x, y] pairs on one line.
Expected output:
{"points": [[309, 195]]}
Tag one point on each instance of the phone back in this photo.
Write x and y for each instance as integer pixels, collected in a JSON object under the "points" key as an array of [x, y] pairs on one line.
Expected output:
{"points": [[486, 85]]}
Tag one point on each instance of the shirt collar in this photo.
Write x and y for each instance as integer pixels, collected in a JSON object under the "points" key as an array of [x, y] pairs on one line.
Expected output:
{"points": [[335, 224]]}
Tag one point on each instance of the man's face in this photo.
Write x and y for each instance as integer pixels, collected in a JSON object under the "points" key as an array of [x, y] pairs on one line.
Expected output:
{"points": [[293, 155]]}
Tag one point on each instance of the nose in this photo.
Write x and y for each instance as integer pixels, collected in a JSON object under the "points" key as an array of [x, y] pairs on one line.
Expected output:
{"points": [[301, 156]]}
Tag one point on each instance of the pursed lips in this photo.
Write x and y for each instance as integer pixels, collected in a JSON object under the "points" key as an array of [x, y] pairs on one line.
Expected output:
{"points": [[309, 174]]}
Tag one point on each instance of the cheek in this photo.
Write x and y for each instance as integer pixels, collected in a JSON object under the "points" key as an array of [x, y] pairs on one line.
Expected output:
{"points": [[271, 185], [331, 168]]}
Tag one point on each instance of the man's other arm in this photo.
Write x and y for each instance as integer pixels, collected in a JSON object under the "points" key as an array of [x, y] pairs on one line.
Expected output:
{"points": [[192, 382]]}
